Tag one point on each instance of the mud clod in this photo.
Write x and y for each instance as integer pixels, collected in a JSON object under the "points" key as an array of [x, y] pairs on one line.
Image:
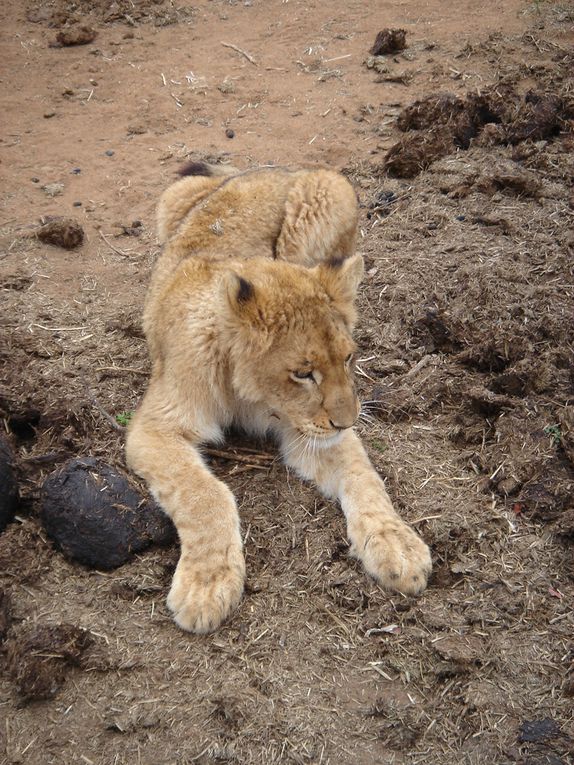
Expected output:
{"points": [[5, 614], [44, 15], [389, 41], [430, 111], [523, 459], [459, 649], [95, 517], [540, 117], [488, 403], [417, 151], [433, 330], [496, 116], [61, 232], [538, 730], [8, 485], [39, 657], [80, 35]]}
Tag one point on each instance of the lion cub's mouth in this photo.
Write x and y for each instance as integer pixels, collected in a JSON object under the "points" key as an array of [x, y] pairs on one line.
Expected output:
{"points": [[321, 440]]}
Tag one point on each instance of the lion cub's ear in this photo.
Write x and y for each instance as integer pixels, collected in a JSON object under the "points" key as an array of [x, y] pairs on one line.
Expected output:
{"points": [[240, 295], [341, 277]]}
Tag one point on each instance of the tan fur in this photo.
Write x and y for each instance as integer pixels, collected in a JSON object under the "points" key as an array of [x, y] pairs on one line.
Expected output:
{"points": [[254, 290]]}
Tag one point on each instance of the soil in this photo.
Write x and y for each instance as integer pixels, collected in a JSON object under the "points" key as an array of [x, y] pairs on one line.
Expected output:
{"points": [[466, 365]]}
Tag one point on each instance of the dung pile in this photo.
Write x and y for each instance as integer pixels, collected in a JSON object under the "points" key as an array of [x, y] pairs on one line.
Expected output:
{"points": [[437, 125]]}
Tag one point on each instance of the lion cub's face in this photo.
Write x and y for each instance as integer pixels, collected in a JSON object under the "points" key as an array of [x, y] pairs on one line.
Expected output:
{"points": [[294, 349]]}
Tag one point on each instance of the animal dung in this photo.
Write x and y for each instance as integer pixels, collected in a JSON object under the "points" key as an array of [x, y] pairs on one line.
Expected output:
{"points": [[61, 232], [389, 41], [95, 517], [8, 485]]}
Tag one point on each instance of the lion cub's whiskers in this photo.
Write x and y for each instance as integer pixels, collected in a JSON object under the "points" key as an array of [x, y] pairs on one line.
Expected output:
{"points": [[294, 445], [368, 418]]}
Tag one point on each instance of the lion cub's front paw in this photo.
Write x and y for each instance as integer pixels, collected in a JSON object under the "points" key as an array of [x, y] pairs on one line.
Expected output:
{"points": [[396, 557], [202, 597]]}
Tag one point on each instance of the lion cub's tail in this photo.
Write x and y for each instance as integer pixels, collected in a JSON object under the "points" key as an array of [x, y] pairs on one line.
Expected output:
{"points": [[198, 180], [207, 170]]}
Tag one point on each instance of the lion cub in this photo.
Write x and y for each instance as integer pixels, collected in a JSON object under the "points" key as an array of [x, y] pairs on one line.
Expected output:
{"points": [[249, 319]]}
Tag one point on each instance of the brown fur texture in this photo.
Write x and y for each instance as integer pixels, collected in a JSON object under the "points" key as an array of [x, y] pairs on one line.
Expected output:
{"points": [[249, 321]]}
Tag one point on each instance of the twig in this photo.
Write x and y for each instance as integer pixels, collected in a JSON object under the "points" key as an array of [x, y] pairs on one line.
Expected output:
{"points": [[115, 249], [41, 458], [337, 58], [133, 370], [331, 615], [419, 365], [239, 457], [236, 469], [106, 415], [58, 329], [243, 53]]}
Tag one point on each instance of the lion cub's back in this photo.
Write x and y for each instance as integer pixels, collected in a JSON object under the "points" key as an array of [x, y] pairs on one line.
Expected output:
{"points": [[303, 216]]}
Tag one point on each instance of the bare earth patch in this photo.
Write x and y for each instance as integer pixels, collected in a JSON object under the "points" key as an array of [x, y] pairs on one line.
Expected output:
{"points": [[460, 146]]}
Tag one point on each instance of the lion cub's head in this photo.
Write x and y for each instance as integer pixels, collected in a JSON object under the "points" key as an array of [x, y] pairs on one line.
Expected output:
{"points": [[290, 341]]}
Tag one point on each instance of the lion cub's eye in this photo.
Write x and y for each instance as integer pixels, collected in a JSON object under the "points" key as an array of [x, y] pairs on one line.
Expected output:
{"points": [[297, 375]]}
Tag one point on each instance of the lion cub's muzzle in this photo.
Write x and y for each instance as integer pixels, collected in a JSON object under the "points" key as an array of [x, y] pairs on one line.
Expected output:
{"points": [[341, 411]]}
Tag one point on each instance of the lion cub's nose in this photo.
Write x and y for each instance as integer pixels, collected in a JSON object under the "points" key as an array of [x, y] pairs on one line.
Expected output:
{"points": [[341, 425]]}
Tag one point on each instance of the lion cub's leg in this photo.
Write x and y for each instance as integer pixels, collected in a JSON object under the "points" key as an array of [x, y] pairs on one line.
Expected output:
{"points": [[208, 581], [321, 219], [388, 548]]}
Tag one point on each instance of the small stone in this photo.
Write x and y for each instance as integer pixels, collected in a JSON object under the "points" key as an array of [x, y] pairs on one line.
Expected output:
{"points": [[136, 229], [48, 115], [77, 204], [137, 128], [76, 170], [227, 86], [53, 189], [110, 152], [230, 133], [35, 180]]}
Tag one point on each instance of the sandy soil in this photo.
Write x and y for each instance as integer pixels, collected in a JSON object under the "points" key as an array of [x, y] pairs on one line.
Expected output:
{"points": [[466, 360]]}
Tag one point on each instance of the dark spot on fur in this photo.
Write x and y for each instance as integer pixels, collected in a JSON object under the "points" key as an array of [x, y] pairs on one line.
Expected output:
{"points": [[245, 291], [275, 246], [336, 262], [195, 168]]}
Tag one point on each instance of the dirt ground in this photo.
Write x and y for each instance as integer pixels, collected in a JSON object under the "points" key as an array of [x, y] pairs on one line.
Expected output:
{"points": [[466, 363]]}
